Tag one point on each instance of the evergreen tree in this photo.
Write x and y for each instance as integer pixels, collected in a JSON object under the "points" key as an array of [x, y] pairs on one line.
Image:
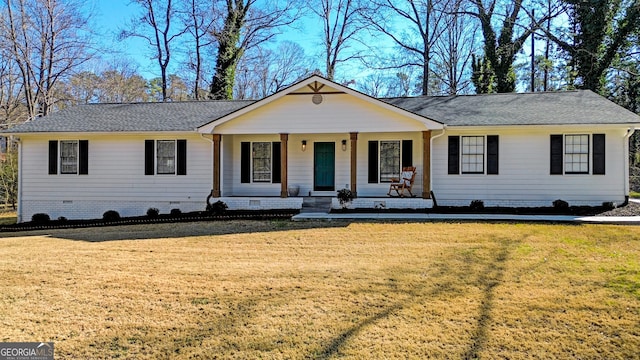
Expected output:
{"points": [[599, 33]]}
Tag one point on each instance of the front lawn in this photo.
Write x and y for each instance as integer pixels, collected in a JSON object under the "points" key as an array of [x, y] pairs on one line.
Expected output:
{"points": [[284, 290]]}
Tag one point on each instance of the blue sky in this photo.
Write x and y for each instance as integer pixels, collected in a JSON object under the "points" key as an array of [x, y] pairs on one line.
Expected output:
{"points": [[111, 16]]}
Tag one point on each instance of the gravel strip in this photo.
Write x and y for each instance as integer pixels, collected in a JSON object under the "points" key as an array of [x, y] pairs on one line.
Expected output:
{"points": [[631, 209]]}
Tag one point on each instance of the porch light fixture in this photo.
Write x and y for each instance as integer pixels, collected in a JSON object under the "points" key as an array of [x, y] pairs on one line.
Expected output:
{"points": [[304, 145], [344, 145]]}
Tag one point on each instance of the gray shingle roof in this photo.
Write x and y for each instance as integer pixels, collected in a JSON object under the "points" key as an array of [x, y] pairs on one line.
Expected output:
{"points": [[137, 117], [559, 108], [543, 108]]}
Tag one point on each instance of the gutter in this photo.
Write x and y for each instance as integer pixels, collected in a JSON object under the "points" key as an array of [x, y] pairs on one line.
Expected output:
{"points": [[626, 137]]}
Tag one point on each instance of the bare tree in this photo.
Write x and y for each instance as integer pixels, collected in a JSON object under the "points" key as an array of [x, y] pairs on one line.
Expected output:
{"points": [[423, 22], [83, 87], [44, 39], [341, 23], [157, 18], [452, 53], [199, 19], [262, 71], [12, 108], [245, 25], [118, 85]]}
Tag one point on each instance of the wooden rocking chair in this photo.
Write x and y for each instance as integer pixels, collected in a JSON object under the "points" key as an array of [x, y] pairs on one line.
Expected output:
{"points": [[407, 177]]}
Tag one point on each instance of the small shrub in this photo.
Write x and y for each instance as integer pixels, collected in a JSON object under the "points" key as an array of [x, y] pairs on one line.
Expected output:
{"points": [[111, 215], [153, 213], [560, 205], [217, 208], [62, 219], [476, 205], [345, 196], [176, 212], [609, 205], [40, 218]]}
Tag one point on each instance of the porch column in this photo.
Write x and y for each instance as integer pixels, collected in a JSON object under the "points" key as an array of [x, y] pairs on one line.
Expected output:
{"points": [[354, 163], [426, 164], [217, 138], [284, 141]]}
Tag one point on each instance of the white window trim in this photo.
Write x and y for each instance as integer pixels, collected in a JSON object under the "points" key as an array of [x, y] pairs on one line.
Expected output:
{"points": [[252, 167], [77, 156], [175, 154], [399, 169], [484, 155], [589, 154]]}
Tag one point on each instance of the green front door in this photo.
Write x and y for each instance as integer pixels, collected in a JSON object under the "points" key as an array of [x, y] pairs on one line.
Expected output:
{"points": [[324, 166]]}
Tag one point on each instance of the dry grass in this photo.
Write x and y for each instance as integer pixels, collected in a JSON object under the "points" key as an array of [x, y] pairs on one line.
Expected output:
{"points": [[7, 217], [280, 290]]}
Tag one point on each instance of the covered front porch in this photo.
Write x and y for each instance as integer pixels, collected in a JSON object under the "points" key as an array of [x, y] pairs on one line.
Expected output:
{"points": [[257, 171], [314, 139]]}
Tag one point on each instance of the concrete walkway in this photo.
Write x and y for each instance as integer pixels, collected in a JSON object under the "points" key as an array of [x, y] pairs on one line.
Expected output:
{"points": [[623, 220]]}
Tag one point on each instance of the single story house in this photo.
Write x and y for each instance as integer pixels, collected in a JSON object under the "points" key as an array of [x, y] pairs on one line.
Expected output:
{"points": [[318, 137]]}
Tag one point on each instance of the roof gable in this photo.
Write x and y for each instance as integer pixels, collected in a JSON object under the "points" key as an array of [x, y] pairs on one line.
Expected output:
{"points": [[316, 88]]}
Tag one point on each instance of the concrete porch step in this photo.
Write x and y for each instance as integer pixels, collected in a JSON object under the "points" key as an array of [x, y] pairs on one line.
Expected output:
{"points": [[316, 204]]}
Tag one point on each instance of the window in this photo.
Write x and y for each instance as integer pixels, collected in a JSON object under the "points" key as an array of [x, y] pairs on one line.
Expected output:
{"points": [[69, 157], [389, 160], [576, 154], [467, 155], [261, 161], [473, 154], [166, 154], [387, 157], [165, 157]]}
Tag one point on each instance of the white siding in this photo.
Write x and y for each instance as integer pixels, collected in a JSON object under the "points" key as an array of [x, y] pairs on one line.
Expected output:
{"points": [[524, 172], [338, 113], [116, 179]]}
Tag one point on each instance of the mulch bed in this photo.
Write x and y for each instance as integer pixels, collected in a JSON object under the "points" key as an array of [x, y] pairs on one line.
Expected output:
{"points": [[186, 217], [631, 209]]}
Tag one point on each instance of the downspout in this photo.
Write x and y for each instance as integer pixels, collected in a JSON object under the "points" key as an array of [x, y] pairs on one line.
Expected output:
{"points": [[19, 205], [211, 152], [626, 164], [444, 128]]}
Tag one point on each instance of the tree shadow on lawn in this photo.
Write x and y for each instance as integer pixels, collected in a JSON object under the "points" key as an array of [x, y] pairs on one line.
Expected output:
{"points": [[168, 341], [177, 230], [488, 279]]}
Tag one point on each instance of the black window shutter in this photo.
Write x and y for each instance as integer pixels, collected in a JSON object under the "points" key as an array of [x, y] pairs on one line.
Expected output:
{"points": [[598, 154], [373, 162], [245, 162], [276, 164], [149, 159], [407, 153], [53, 157], [454, 155], [181, 157], [83, 157], [492, 154], [556, 155]]}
